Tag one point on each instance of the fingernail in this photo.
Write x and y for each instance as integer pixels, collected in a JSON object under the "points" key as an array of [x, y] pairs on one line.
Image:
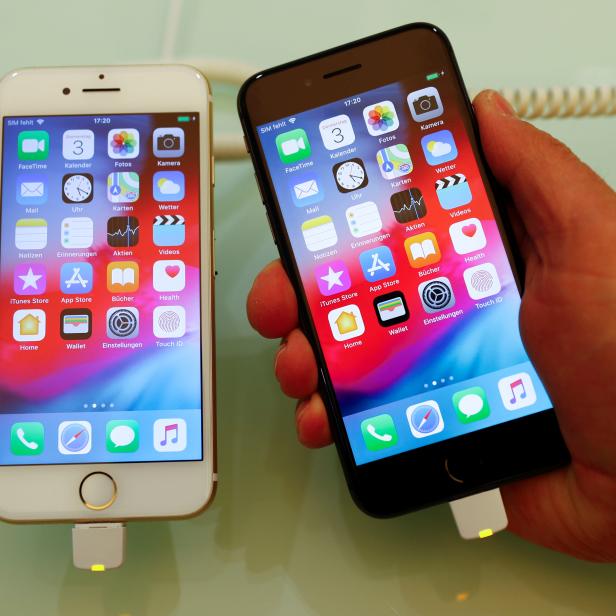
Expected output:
{"points": [[283, 346], [503, 104]]}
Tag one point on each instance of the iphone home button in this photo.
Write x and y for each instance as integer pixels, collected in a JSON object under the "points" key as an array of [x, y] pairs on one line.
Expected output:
{"points": [[98, 491]]}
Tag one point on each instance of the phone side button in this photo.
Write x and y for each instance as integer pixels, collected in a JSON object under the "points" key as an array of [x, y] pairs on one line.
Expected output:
{"points": [[269, 222], [98, 491]]}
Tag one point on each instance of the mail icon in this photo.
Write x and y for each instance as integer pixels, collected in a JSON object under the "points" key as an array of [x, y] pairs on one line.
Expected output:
{"points": [[306, 190], [31, 189]]}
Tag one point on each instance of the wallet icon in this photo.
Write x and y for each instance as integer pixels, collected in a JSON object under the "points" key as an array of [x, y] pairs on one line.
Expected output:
{"points": [[31, 189], [306, 190]]}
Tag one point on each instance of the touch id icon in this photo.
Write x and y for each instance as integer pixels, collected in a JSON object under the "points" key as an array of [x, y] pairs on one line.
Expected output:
{"points": [[425, 419], [170, 435]]}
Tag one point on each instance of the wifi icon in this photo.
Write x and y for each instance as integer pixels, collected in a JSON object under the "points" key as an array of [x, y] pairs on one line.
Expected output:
{"points": [[292, 120], [39, 121]]}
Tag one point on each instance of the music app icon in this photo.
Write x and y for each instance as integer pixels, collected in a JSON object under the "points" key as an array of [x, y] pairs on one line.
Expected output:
{"points": [[517, 391], [169, 435]]}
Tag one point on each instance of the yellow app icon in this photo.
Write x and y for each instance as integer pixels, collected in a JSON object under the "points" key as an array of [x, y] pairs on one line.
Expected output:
{"points": [[122, 277], [422, 250]]}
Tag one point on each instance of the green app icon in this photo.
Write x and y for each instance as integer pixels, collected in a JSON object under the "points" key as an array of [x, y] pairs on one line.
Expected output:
{"points": [[27, 438], [33, 145], [379, 432], [293, 146], [122, 436], [471, 404]]}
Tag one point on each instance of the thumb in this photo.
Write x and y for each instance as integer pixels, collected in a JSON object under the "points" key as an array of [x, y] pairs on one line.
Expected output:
{"points": [[557, 197]]}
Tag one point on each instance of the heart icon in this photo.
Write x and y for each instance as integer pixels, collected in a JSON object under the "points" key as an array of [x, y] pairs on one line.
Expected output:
{"points": [[469, 230], [172, 270]]}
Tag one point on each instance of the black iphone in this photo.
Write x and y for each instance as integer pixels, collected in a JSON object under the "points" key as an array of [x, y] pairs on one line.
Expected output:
{"points": [[371, 171]]}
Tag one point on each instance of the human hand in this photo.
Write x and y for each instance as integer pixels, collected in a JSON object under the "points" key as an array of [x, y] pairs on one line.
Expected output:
{"points": [[564, 217]]}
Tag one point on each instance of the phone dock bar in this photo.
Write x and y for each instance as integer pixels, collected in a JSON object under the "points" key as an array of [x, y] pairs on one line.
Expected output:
{"points": [[99, 546], [480, 515]]}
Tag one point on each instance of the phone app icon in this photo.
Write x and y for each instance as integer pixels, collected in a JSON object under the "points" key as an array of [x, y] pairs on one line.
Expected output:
{"points": [[439, 147], [379, 432], [471, 404], [29, 279], [482, 281], [337, 132], [32, 189], [425, 104], [78, 144], [319, 233], [123, 231], [122, 323], [350, 175], [332, 277], [422, 249], [436, 294], [377, 263], [123, 187], [517, 391], [76, 278], [306, 190], [33, 145], [122, 277], [169, 230], [77, 232], [168, 186], [169, 321], [467, 236], [293, 146], [453, 191], [77, 188], [169, 275], [391, 309], [27, 438], [76, 324], [408, 205], [346, 322], [394, 161], [31, 233], [381, 118], [122, 436], [29, 325], [364, 219], [75, 437], [170, 435], [168, 142], [425, 419], [123, 143]]}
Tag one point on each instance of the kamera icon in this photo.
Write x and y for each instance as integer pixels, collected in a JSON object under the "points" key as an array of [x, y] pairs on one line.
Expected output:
{"points": [[425, 104], [168, 142]]}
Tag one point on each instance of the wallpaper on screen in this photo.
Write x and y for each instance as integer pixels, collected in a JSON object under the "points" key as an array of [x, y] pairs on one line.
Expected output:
{"points": [[146, 375]]}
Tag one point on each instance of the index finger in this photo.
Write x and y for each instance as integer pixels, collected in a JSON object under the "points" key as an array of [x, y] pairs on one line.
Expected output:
{"points": [[271, 304]]}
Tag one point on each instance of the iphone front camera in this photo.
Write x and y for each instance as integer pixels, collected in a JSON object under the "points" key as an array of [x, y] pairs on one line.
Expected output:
{"points": [[66, 91], [101, 76]]}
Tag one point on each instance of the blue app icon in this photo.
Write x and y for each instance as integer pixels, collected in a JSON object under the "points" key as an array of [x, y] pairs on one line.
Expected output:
{"points": [[306, 189], [169, 230], [377, 263], [453, 191], [168, 186], [439, 147], [76, 278], [31, 189]]}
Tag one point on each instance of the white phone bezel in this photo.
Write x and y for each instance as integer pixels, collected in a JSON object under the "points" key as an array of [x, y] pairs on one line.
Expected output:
{"points": [[144, 489]]}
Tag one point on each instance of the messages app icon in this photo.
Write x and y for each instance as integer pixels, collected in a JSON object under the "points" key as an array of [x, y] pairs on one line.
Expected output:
{"points": [[471, 404], [122, 436], [293, 146]]}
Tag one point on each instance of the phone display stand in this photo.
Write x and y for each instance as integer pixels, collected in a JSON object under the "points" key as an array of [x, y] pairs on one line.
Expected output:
{"points": [[480, 515], [99, 546]]}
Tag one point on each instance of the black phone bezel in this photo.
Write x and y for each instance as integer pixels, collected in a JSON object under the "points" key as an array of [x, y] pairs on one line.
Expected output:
{"points": [[448, 469]]}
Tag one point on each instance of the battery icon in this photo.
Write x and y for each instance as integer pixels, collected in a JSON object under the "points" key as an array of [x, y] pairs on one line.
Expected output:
{"points": [[183, 118], [432, 76]]}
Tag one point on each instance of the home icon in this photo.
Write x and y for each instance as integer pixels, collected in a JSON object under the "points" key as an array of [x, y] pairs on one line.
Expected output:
{"points": [[29, 325], [346, 322]]}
